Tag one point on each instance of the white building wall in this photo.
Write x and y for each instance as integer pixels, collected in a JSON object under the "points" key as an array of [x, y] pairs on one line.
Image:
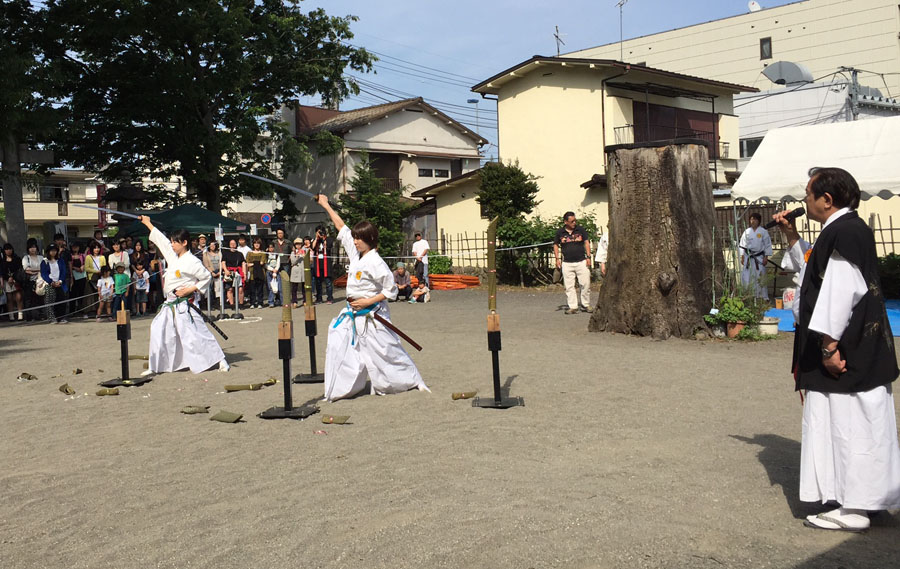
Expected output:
{"points": [[821, 34], [412, 131]]}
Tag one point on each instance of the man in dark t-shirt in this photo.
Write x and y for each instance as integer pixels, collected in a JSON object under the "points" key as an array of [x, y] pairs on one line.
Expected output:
{"points": [[573, 242]]}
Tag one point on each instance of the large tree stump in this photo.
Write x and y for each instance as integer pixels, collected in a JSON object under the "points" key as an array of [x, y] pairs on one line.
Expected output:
{"points": [[661, 216]]}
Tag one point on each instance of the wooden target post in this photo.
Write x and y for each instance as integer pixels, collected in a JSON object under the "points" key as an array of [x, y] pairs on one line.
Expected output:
{"points": [[313, 376], [493, 330]]}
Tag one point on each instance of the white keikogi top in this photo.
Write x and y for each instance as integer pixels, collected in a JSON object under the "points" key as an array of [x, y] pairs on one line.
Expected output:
{"points": [[368, 275], [181, 271]]}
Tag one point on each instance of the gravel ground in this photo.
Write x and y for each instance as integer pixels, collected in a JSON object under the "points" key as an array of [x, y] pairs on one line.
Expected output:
{"points": [[628, 452]]}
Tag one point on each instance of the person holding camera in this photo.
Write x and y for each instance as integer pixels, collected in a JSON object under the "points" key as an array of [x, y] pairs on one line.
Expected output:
{"points": [[322, 246]]}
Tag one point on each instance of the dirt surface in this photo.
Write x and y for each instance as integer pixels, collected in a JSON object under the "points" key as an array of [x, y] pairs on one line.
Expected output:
{"points": [[628, 453]]}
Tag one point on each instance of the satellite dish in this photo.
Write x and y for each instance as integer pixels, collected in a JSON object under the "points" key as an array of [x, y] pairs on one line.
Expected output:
{"points": [[754, 6]]}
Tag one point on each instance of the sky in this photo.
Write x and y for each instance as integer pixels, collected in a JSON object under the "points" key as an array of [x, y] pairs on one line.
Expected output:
{"points": [[440, 49]]}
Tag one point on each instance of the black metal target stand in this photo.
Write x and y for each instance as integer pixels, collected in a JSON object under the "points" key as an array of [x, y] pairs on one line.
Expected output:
{"points": [[285, 353], [123, 334], [498, 401]]}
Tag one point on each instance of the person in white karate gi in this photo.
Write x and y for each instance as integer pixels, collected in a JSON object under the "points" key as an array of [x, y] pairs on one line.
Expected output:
{"points": [[844, 360], [359, 347], [179, 337], [756, 248]]}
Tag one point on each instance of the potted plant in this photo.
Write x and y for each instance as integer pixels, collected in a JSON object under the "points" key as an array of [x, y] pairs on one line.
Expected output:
{"points": [[734, 314]]}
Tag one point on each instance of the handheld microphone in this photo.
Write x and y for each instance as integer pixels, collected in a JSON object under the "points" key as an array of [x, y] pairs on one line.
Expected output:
{"points": [[791, 216]]}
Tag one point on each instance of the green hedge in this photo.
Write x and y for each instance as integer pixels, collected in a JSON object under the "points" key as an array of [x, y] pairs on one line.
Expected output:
{"points": [[439, 265]]}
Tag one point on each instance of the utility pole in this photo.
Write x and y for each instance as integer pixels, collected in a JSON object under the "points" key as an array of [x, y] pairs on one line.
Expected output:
{"points": [[854, 91]]}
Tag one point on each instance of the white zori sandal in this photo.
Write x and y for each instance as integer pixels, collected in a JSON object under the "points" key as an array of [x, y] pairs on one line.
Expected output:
{"points": [[841, 519]]}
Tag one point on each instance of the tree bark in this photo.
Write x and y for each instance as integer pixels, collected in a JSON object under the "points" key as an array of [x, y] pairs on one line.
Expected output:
{"points": [[17, 231], [661, 248]]}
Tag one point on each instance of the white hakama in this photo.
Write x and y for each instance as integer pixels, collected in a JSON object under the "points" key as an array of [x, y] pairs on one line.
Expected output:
{"points": [[372, 351], [849, 451], [179, 337], [754, 245]]}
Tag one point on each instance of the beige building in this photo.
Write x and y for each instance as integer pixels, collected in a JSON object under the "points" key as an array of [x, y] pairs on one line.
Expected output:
{"points": [[558, 114], [457, 214], [51, 203], [823, 35]]}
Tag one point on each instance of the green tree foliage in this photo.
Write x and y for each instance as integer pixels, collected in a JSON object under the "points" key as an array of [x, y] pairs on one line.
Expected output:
{"points": [[193, 87], [507, 191], [385, 209]]}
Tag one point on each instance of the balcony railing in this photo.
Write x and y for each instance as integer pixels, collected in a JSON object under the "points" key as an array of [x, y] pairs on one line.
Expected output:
{"points": [[630, 134], [391, 184]]}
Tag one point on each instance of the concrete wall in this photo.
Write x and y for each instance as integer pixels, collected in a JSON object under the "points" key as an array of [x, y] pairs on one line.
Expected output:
{"points": [[821, 34]]}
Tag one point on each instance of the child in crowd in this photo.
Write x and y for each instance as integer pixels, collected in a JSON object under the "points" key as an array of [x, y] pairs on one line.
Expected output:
{"points": [[105, 289], [122, 290], [141, 288], [421, 294], [272, 276]]}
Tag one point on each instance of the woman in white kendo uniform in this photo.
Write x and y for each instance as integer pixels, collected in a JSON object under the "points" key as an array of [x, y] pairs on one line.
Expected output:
{"points": [[360, 347], [179, 337]]}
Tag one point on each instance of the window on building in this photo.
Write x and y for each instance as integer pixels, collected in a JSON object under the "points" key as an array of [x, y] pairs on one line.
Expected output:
{"points": [[53, 193], [426, 173], [765, 48], [749, 146], [442, 173], [483, 211]]}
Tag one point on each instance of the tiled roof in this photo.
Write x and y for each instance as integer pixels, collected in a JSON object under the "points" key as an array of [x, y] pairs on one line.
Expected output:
{"points": [[344, 121]]}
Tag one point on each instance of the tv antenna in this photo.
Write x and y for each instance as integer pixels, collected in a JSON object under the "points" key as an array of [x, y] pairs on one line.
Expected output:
{"points": [[753, 6], [559, 39], [621, 5]]}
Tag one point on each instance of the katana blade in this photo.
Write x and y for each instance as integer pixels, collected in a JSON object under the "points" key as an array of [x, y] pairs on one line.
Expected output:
{"points": [[282, 184], [115, 211]]}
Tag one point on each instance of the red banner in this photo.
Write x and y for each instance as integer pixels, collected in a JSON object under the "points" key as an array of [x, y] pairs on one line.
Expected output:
{"points": [[101, 215]]}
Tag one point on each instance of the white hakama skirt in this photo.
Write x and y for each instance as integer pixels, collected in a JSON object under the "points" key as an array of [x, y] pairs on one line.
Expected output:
{"points": [[376, 355], [754, 278], [180, 339], [849, 450]]}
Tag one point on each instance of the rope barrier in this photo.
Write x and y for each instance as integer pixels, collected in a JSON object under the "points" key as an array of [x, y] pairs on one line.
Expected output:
{"points": [[66, 301]]}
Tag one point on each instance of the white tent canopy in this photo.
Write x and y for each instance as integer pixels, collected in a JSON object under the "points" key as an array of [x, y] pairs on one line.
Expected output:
{"points": [[868, 149]]}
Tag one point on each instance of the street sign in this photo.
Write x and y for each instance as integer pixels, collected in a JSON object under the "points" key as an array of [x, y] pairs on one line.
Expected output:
{"points": [[265, 219], [252, 229]]}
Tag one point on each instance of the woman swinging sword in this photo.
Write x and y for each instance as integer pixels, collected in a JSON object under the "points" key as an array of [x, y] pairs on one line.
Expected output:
{"points": [[178, 337]]}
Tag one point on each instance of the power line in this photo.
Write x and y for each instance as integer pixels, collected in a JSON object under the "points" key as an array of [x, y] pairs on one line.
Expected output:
{"points": [[442, 71], [421, 75], [420, 50], [391, 91]]}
